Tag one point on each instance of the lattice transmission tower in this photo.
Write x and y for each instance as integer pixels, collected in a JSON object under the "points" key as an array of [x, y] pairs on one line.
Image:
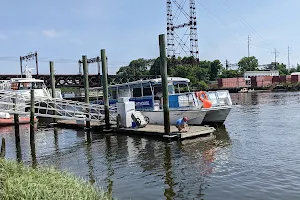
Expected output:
{"points": [[182, 36]]}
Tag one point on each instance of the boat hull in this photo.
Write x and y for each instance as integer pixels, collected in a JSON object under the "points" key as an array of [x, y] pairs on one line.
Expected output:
{"points": [[216, 114], [194, 116], [10, 121]]}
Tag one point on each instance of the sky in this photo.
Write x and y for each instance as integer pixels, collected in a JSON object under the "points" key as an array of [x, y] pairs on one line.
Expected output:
{"points": [[63, 31]]}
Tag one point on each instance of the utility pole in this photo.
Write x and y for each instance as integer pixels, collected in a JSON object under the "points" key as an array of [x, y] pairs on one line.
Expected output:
{"points": [[276, 54], [249, 45], [289, 57]]}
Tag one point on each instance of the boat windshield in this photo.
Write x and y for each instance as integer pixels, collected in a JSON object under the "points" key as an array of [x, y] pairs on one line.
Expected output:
{"points": [[27, 85]]}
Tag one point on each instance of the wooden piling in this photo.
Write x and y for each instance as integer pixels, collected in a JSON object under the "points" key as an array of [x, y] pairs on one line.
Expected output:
{"points": [[32, 140], [52, 80], [32, 116], [3, 148], [17, 131], [16, 120], [164, 79], [105, 88], [86, 87]]}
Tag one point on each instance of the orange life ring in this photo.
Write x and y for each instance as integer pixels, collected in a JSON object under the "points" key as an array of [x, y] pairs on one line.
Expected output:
{"points": [[202, 96]]}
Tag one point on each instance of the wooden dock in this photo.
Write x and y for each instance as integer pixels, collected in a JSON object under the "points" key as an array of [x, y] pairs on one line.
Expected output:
{"points": [[149, 130], [74, 125], [158, 130]]}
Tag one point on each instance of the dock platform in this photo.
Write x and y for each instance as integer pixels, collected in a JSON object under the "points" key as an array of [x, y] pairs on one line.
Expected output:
{"points": [[158, 130], [74, 125], [149, 130]]}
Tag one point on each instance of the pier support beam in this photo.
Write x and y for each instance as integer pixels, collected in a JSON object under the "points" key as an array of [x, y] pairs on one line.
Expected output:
{"points": [[164, 79], [105, 88], [32, 116], [32, 140], [52, 80], [86, 87]]}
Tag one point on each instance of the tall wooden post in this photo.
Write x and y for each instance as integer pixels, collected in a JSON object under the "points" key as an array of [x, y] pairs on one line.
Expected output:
{"points": [[164, 79], [105, 88], [52, 80], [3, 148], [86, 87], [32, 140], [17, 130], [32, 116]]}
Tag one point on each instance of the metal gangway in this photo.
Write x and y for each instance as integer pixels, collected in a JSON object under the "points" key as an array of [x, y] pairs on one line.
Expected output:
{"points": [[58, 108]]}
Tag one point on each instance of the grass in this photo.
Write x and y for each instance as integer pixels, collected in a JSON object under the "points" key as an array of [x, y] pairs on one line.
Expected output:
{"points": [[20, 182]]}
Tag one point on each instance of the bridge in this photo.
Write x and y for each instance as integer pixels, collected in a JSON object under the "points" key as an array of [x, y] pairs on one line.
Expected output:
{"points": [[56, 108], [64, 80]]}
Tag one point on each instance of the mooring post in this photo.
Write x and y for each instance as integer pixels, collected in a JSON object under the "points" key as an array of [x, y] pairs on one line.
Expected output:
{"points": [[86, 88], [164, 80], [32, 116], [3, 148], [105, 88], [52, 80], [17, 129]]}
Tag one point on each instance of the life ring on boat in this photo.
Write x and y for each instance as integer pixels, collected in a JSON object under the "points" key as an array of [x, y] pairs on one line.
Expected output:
{"points": [[202, 96]]}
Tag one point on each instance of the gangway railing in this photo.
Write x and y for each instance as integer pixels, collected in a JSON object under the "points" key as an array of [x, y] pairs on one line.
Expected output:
{"points": [[58, 108]]}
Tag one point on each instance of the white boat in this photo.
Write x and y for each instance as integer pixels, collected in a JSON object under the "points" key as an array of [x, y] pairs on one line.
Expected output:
{"points": [[23, 86], [221, 106], [20, 88], [147, 95]]}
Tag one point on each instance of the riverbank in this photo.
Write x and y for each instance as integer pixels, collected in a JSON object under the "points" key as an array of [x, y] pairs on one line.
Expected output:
{"points": [[20, 182]]}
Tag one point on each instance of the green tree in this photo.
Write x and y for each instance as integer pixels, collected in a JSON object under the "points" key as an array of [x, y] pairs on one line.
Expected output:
{"points": [[293, 70], [215, 69], [136, 67], [248, 64], [298, 67], [282, 69], [230, 73]]}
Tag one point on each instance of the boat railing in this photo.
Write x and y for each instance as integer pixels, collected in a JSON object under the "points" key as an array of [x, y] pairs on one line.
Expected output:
{"points": [[4, 84]]}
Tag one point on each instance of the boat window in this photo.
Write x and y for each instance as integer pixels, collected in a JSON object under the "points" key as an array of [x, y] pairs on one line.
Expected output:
{"points": [[147, 91], [137, 92], [181, 88], [14, 86], [24, 86], [113, 94], [37, 85], [171, 89]]}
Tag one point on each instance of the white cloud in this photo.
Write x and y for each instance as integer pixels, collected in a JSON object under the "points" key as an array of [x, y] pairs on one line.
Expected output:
{"points": [[51, 33]]}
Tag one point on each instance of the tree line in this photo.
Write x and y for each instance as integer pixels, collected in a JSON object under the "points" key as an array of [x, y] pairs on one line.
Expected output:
{"points": [[200, 73]]}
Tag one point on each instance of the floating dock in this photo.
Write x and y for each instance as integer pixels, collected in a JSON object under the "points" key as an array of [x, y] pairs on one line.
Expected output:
{"points": [[158, 130], [73, 124], [149, 130]]}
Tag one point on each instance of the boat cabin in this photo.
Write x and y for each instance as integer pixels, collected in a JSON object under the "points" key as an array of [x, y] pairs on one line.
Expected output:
{"points": [[147, 94]]}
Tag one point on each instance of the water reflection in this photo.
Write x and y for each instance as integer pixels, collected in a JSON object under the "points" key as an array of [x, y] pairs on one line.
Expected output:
{"points": [[90, 161], [245, 98], [110, 170], [169, 192]]}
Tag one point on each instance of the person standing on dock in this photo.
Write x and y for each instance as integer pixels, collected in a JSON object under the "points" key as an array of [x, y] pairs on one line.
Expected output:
{"points": [[181, 124]]}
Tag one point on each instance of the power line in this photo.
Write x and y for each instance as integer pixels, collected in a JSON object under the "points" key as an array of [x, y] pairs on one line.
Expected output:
{"points": [[248, 26]]}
